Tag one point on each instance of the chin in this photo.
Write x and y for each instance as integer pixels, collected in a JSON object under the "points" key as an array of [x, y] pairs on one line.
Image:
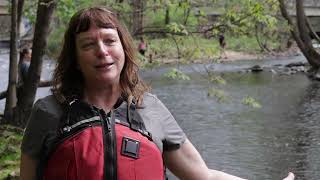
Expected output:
{"points": [[110, 80]]}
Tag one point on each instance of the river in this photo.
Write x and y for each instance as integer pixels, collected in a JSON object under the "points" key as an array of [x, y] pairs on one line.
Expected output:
{"points": [[256, 143]]}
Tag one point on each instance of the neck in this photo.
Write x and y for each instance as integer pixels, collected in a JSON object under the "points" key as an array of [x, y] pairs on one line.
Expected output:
{"points": [[102, 97]]}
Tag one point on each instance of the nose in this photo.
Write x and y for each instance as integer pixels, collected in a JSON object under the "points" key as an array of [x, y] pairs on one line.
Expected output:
{"points": [[101, 50]]}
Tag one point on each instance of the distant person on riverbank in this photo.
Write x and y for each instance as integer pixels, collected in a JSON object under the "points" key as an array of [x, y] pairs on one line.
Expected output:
{"points": [[24, 63], [142, 47], [102, 122], [222, 44]]}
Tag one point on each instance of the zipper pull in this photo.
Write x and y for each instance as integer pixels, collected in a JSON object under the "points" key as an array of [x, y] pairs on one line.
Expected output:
{"points": [[109, 123], [106, 118]]}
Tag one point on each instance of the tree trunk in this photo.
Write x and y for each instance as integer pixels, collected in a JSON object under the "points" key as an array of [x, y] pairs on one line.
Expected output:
{"points": [[167, 15], [29, 88], [12, 83], [263, 45], [138, 9], [20, 10], [302, 24], [301, 33]]}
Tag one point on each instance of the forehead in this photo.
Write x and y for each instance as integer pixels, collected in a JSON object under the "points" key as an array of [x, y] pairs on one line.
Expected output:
{"points": [[93, 17], [95, 31]]}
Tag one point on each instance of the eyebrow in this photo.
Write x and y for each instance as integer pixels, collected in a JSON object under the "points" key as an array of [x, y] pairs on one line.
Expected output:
{"points": [[81, 39], [88, 37]]}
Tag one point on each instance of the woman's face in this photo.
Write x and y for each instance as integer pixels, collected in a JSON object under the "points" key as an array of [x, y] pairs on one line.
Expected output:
{"points": [[100, 55]]}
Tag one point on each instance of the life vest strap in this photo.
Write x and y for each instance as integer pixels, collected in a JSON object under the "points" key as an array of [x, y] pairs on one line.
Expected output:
{"points": [[89, 120]]}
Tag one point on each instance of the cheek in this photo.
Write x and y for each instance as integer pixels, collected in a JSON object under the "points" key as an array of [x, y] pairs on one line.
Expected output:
{"points": [[119, 53], [119, 56], [84, 57], [82, 62], [122, 61]]}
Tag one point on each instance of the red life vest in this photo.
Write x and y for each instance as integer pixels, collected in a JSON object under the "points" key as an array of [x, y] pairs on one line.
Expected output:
{"points": [[94, 145]]}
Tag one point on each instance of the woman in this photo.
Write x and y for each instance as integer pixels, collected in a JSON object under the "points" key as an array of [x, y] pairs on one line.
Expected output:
{"points": [[101, 122]]}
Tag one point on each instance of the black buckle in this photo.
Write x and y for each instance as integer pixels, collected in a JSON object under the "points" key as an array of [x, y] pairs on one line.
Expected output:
{"points": [[130, 147]]}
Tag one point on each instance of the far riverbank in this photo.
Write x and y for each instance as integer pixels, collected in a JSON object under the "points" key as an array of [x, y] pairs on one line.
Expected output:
{"points": [[234, 56]]}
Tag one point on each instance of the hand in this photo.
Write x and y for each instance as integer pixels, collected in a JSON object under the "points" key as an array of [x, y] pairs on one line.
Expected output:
{"points": [[290, 176]]}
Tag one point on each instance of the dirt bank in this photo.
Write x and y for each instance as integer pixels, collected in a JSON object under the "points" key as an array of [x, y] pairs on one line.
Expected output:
{"points": [[235, 56]]}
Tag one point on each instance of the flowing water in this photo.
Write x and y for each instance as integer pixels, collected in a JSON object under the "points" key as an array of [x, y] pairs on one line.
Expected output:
{"points": [[265, 143], [256, 143]]}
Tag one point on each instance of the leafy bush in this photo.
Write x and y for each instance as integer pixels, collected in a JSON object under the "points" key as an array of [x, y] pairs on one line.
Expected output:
{"points": [[217, 79], [176, 74], [250, 101], [219, 94], [10, 140]]}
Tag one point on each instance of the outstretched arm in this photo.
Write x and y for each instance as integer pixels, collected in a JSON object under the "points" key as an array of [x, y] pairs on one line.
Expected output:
{"points": [[187, 164], [290, 176], [27, 167]]}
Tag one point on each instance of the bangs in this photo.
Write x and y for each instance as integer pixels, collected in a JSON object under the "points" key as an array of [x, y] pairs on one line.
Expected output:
{"points": [[98, 17]]}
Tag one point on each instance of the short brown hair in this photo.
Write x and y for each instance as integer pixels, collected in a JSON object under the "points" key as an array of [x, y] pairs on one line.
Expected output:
{"points": [[68, 81]]}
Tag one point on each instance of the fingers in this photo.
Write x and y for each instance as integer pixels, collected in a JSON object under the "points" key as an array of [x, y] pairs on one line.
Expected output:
{"points": [[290, 176]]}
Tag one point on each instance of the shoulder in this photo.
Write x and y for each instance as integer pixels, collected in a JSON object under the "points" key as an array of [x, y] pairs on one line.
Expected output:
{"points": [[149, 98], [161, 123], [152, 103], [42, 125], [48, 105], [154, 109]]}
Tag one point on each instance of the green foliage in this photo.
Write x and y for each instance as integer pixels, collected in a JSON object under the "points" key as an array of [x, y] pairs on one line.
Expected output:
{"points": [[241, 17], [191, 48], [30, 10], [178, 12], [10, 140], [246, 14], [255, 18], [176, 74], [55, 40], [242, 43], [219, 94], [65, 9], [161, 47], [217, 79], [202, 13], [250, 101], [152, 65], [177, 28]]}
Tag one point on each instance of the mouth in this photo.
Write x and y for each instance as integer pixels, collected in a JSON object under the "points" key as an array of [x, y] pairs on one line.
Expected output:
{"points": [[104, 65]]}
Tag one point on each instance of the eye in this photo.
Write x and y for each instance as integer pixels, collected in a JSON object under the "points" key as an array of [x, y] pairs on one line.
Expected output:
{"points": [[87, 45], [109, 41]]}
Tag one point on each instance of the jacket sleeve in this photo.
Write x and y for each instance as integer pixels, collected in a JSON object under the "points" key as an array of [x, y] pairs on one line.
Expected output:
{"points": [[42, 124]]}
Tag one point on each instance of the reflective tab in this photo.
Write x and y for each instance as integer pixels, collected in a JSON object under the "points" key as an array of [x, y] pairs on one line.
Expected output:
{"points": [[130, 147]]}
